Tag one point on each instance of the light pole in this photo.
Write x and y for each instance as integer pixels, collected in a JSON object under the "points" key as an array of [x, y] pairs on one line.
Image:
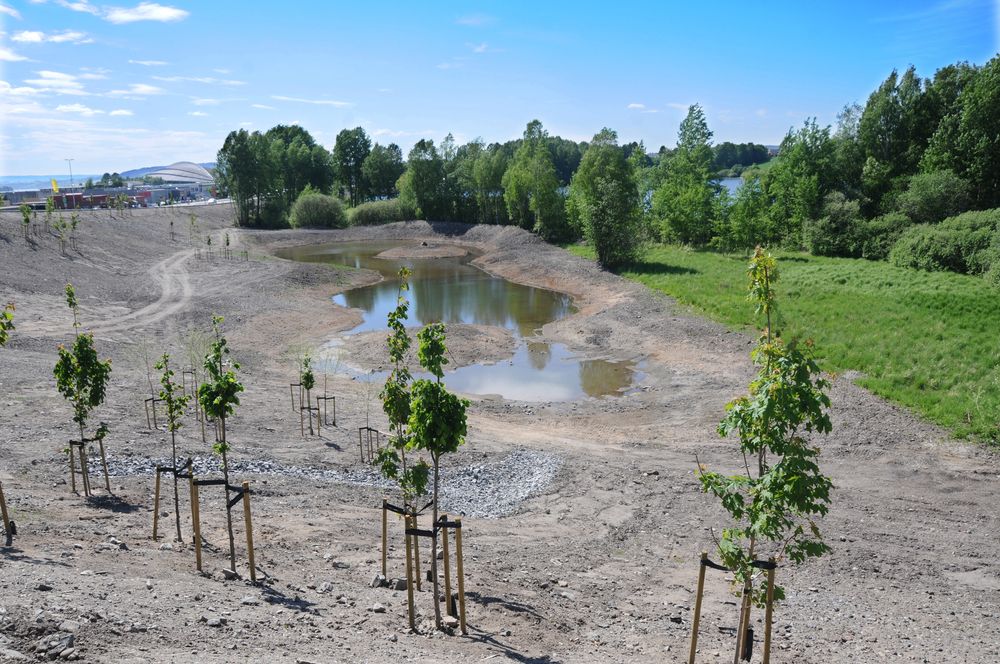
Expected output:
{"points": [[70, 162]]}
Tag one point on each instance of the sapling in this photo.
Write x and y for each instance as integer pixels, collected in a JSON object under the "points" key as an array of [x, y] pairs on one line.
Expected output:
{"points": [[25, 218], [775, 500], [50, 207], [307, 379], [74, 221], [176, 402], [6, 327], [219, 397], [61, 227], [437, 422], [395, 395], [82, 379]]}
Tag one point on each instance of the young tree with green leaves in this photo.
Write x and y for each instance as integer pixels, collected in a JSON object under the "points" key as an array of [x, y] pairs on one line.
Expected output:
{"points": [[219, 397], [307, 379], [176, 402], [531, 187], [6, 323], [437, 423], [82, 378], [775, 500], [395, 395], [25, 219]]}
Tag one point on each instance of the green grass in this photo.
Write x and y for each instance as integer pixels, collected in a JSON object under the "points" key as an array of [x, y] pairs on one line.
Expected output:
{"points": [[927, 340]]}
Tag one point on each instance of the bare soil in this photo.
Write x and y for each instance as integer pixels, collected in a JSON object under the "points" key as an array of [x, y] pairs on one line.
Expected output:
{"points": [[598, 565]]}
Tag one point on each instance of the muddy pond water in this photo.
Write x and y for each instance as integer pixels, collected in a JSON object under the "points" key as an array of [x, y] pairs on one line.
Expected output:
{"points": [[452, 291]]}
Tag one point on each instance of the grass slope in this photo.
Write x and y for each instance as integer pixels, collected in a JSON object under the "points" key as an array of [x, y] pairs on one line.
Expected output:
{"points": [[927, 340]]}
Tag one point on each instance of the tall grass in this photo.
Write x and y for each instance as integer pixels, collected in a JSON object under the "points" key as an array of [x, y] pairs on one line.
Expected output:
{"points": [[927, 340]]}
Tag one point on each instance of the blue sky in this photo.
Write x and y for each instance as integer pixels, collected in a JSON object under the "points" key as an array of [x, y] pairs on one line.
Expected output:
{"points": [[121, 86]]}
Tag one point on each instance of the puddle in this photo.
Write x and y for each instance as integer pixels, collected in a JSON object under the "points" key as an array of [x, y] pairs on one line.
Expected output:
{"points": [[451, 290]]}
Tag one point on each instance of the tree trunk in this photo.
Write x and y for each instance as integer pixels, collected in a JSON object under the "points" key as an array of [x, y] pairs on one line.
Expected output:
{"points": [[434, 552], [229, 510], [177, 500]]}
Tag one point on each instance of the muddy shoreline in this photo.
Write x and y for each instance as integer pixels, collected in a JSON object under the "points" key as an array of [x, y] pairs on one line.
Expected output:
{"points": [[597, 565]]}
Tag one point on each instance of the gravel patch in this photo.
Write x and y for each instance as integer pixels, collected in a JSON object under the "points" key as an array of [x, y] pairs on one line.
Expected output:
{"points": [[485, 490]]}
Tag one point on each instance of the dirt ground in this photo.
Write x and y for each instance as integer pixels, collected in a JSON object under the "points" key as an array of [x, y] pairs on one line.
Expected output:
{"points": [[598, 565]]}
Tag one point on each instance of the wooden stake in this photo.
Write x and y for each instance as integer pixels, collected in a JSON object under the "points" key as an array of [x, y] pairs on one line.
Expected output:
{"points": [[461, 575], [416, 549], [769, 612], [6, 517], [72, 470], [156, 504], [409, 578], [697, 607], [249, 527], [195, 522], [741, 628], [447, 566], [104, 463], [385, 535], [85, 469]]}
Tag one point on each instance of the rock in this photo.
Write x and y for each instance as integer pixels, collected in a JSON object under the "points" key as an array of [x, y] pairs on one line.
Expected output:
{"points": [[7, 655], [70, 626], [398, 584], [676, 619], [392, 637], [230, 575], [149, 584], [379, 581], [449, 622], [250, 600], [377, 608], [325, 587], [67, 653], [166, 546], [43, 587], [214, 622]]}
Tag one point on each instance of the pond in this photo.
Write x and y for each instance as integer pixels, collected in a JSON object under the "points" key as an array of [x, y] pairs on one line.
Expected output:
{"points": [[453, 291]]}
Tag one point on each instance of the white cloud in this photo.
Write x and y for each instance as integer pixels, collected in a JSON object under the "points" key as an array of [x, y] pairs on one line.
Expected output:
{"points": [[57, 82], [6, 89], [121, 112], [199, 79], [94, 74], [760, 112], [9, 11], [221, 71], [206, 102], [677, 106], [318, 102], [246, 124], [149, 63], [7, 55], [636, 107], [144, 11], [85, 111], [37, 37], [141, 89], [198, 114], [264, 107], [480, 48], [81, 6]]}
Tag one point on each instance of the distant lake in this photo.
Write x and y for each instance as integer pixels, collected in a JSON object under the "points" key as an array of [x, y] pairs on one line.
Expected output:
{"points": [[732, 184]]}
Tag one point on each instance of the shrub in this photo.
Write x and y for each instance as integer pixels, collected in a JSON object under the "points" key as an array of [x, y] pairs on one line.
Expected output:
{"points": [[833, 234], [959, 244], [313, 209], [931, 197], [875, 237], [381, 212]]}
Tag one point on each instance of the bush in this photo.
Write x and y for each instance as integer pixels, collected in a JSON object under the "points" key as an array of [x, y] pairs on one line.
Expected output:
{"points": [[931, 197], [313, 209], [875, 237], [381, 212], [834, 233], [959, 244]]}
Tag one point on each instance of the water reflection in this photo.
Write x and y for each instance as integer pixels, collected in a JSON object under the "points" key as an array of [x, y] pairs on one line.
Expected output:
{"points": [[453, 291]]}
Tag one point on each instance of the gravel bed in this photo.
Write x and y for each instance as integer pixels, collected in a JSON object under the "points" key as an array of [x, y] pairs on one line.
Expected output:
{"points": [[485, 490]]}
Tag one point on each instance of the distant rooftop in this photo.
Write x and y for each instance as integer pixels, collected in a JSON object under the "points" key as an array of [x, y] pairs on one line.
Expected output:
{"points": [[183, 171]]}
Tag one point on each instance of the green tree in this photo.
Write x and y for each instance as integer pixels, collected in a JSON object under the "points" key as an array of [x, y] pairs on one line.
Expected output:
{"points": [[775, 500], [82, 377], [395, 395], [6, 323], [176, 403], [25, 210], [381, 170], [219, 396], [604, 199], [531, 187], [935, 196], [487, 175], [313, 209], [349, 153], [422, 186], [748, 224], [437, 423], [307, 379], [797, 181], [683, 203]]}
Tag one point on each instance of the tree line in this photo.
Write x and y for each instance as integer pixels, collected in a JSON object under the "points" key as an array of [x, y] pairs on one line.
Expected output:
{"points": [[919, 151]]}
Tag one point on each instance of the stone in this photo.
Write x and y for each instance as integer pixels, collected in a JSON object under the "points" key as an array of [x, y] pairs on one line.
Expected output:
{"points": [[449, 622], [166, 546], [392, 637], [378, 581], [377, 608], [230, 575], [398, 584], [43, 587], [250, 600], [70, 626]]}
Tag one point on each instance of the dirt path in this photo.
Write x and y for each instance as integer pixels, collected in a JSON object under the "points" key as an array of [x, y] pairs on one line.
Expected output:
{"points": [[597, 565]]}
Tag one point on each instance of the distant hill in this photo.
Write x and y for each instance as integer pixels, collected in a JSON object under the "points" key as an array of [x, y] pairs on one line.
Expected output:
{"points": [[146, 170]]}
